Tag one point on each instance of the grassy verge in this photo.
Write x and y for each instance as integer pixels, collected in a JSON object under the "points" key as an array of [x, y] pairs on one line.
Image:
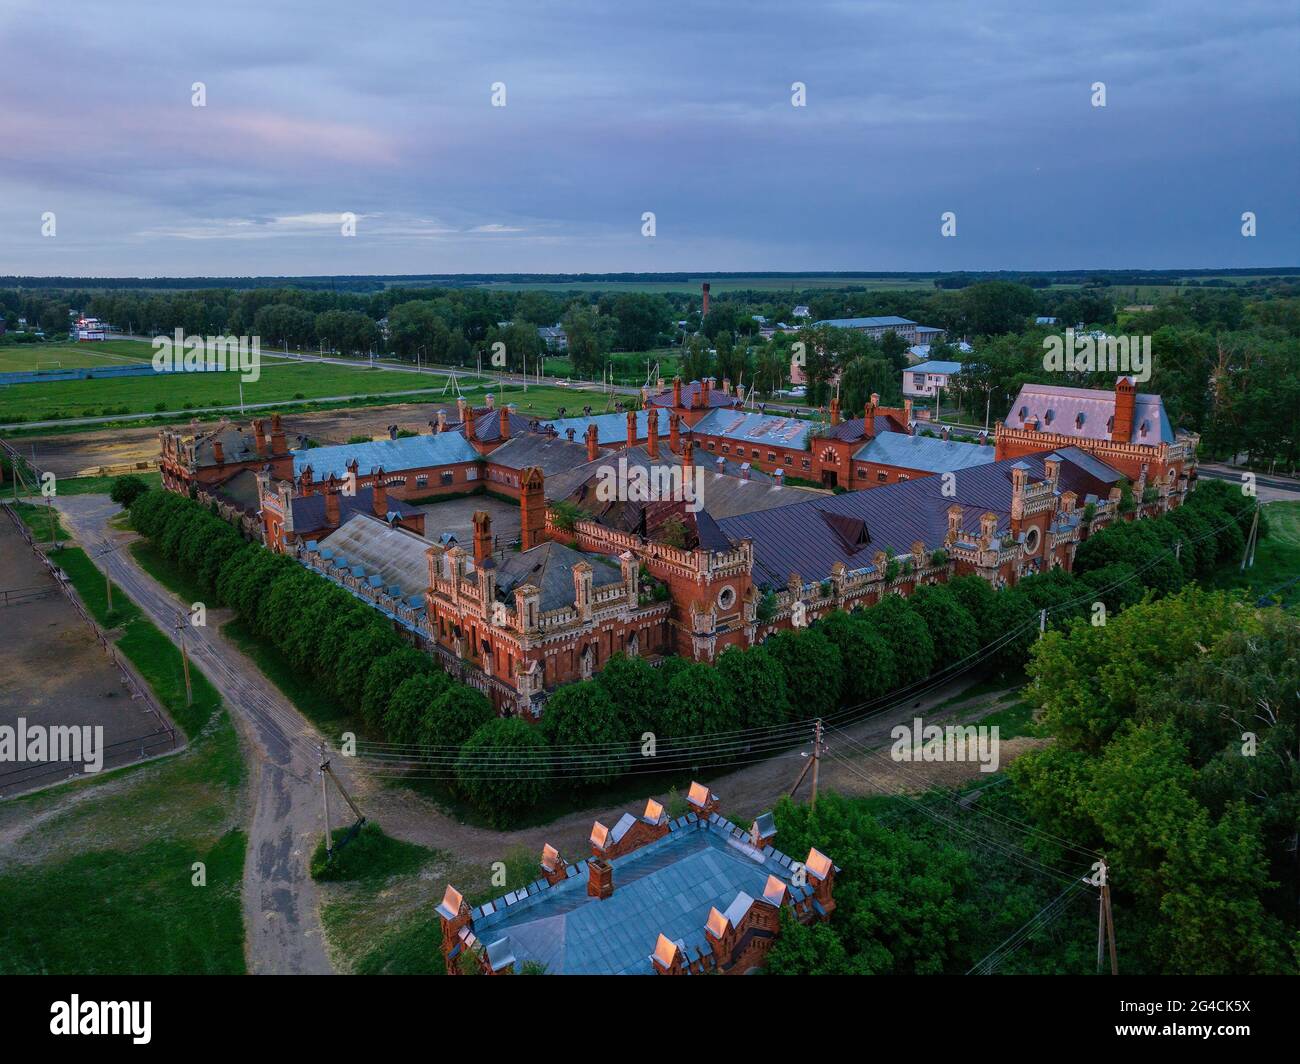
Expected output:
{"points": [[102, 485], [163, 570], [369, 856], [154, 656], [37, 519]]}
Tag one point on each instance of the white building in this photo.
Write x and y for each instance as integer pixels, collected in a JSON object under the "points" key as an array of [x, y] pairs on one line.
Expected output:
{"points": [[925, 380]]}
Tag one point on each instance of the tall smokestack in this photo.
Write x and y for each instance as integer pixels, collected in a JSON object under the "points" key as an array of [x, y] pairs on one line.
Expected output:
{"points": [[704, 288]]}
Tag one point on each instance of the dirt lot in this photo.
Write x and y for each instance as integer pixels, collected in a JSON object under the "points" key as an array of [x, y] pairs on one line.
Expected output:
{"points": [[72, 454], [54, 673]]}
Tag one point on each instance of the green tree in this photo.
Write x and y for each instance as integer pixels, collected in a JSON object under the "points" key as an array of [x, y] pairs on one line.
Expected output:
{"points": [[504, 768], [583, 726]]}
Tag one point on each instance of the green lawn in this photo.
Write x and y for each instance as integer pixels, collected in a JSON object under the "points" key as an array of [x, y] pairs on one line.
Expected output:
{"points": [[37, 518], [101, 485], [369, 856], [1277, 559], [280, 380], [25, 358]]}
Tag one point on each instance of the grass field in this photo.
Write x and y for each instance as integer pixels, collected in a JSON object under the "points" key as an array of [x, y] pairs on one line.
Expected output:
{"points": [[1277, 559], [280, 380], [22, 358]]}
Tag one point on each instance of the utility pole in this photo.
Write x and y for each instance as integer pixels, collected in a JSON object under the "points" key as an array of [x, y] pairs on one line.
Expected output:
{"points": [[185, 660], [1248, 552], [325, 798], [812, 763], [1105, 919], [1042, 623]]}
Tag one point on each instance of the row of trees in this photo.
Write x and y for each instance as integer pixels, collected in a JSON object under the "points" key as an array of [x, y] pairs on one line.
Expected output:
{"points": [[1175, 730]]}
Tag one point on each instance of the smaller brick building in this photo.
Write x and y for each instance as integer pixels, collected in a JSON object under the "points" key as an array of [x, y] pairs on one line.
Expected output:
{"points": [[695, 895]]}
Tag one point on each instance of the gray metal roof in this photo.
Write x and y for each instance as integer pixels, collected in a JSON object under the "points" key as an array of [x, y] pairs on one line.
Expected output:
{"points": [[1058, 410], [866, 323], [410, 452], [937, 366], [309, 510], [371, 546], [554, 454], [667, 887], [748, 427], [923, 452], [810, 537], [611, 428]]}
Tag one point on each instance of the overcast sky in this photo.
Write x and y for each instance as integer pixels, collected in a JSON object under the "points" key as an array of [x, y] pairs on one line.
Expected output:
{"points": [[384, 109]]}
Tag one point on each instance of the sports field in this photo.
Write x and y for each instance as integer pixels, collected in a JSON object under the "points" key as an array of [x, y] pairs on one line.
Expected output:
{"points": [[21, 358], [280, 380]]}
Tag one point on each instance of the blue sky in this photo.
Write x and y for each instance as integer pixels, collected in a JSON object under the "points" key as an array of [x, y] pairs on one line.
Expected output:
{"points": [[614, 109]]}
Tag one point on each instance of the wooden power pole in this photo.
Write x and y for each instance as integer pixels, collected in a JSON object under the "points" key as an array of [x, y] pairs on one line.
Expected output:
{"points": [[813, 763]]}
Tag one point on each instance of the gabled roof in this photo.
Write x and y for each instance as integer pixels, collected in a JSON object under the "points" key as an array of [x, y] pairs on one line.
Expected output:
{"points": [[668, 887], [395, 554], [611, 428], [923, 452], [1087, 413], [553, 454], [807, 538], [851, 429], [393, 456], [487, 425], [717, 397], [309, 510]]}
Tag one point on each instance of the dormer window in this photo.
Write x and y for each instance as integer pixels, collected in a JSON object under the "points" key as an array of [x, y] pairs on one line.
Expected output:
{"points": [[1079, 419], [1047, 417], [1024, 412], [1110, 423], [1143, 429]]}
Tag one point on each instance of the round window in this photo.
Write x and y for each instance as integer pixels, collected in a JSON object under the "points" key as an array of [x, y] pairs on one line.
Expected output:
{"points": [[1033, 539], [727, 597]]}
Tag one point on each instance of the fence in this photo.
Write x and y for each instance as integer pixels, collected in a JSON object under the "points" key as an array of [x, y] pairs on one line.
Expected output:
{"points": [[139, 691]]}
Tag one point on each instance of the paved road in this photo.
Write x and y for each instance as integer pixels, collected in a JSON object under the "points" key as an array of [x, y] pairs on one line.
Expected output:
{"points": [[280, 898]]}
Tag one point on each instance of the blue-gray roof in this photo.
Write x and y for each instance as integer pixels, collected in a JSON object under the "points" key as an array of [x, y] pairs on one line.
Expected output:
{"points": [[865, 323], [410, 452], [924, 452], [745, 426], [610, 428], [937, 366], [666, 887]]}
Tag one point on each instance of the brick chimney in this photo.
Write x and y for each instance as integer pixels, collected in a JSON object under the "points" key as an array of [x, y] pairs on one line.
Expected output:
{"points": [[1019, 480], [667, 958], [677, 393], [835, 410], [869, 416], [218, 452], [277, 436], [1125, 404], [706, 389], [553, 865], [259, 437], [380, 501], [491, 401], [688, 457], [471, 426], [454, 916], [631, 428], [441, 425], [704, 295], [504, 422], [482, 536], [652, 432], [762, 831], [675, 432], [331, 504], [532, 508], [954, 525], [600, 878], [593, 450]]}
